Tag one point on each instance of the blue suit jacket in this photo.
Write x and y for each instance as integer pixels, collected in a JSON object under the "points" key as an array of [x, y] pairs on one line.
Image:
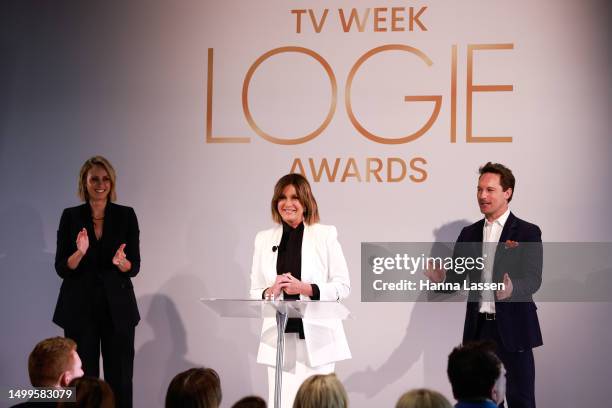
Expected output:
{"points": [[517, 318], [482, 404]]}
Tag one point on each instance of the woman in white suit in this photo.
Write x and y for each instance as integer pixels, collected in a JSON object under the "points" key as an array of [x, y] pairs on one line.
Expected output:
{"points": [[299, 259]]}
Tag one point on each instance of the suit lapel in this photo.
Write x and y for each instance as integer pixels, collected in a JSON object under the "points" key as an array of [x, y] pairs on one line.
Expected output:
{"points": [[507, 233], [308, 245], [86, 221], [474, 240], [106, 240], [477, 233], [508, 229], [272, 256]]}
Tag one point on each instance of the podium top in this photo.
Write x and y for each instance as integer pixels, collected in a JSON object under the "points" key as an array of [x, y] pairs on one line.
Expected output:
{"points": [[250, 308]]}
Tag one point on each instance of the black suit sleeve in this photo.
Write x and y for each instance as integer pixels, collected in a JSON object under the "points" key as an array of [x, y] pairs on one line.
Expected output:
{"points": [[530, 279], [132, 244], [316, 292], [66, 245]]}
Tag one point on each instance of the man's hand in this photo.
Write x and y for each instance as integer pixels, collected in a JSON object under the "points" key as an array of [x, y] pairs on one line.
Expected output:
{"points": [[507, 292], [434, 274]]}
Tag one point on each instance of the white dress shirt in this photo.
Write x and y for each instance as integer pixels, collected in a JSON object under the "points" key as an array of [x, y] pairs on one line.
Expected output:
{"points": [[490, 237]]}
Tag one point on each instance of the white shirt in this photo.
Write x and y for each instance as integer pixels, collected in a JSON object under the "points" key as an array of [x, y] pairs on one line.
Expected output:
{"points": [[491, 232]]}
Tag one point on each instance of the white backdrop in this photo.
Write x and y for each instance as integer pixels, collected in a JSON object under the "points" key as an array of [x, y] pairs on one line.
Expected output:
{"points": [[128, 80]]}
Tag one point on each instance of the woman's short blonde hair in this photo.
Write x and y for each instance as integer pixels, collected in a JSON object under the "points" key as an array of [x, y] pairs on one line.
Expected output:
{"points": [[423, 398], [321, 391], [304, 193], [88, 165]]}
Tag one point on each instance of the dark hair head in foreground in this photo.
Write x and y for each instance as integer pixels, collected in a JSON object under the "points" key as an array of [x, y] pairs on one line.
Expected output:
{"points": [[423, 398], [195, 388], [252, 401], [476, 373], [91, 392]]}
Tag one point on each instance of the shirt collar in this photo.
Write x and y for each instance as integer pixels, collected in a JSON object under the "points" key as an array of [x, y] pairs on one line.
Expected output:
{"points": [[501, 221]]}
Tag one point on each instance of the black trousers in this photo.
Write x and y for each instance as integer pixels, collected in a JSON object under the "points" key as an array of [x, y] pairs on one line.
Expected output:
{"points": [[117, 348], [520, 367]]}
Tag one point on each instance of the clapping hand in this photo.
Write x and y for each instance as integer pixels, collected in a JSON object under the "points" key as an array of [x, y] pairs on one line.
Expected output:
{"points": [[82, 241], [119, 259]]}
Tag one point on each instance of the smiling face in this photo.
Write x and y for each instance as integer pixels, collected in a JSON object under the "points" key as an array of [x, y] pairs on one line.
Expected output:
{"points": [[492, 199], [289, 207], [98, 183]]}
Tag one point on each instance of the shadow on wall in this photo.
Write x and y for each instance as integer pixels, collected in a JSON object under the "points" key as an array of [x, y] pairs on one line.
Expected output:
{"points": [[29, 290], [186, 334], [160, 358], [433, 329]]}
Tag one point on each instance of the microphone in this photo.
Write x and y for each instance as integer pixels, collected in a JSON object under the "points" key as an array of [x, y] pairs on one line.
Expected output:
{"points": [[274, 248]]}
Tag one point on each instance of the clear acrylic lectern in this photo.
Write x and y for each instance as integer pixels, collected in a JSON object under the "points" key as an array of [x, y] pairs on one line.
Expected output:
{"points": [[281, 310]]}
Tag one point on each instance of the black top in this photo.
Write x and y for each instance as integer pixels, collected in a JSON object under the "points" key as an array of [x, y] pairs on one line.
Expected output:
{"points": [[290, 260], [290, 254]]}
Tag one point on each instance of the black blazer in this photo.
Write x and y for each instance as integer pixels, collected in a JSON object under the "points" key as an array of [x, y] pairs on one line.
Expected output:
{"points": [[517, 318], [75, 302]]}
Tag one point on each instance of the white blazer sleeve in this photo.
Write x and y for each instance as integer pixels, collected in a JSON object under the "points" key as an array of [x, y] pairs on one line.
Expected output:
{"points": [[338, 285], [258, 279]]}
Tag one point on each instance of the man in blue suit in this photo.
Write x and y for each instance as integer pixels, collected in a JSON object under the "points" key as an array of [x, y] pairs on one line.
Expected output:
{"points": [[512, 250]]}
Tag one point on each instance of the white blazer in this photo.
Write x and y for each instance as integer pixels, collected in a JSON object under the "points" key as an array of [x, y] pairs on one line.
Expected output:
{"points": [[323, 264]]}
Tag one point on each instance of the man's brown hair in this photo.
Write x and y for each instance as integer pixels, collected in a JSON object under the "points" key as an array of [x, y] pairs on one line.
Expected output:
{"points": [[49, 359], [506, 178]]}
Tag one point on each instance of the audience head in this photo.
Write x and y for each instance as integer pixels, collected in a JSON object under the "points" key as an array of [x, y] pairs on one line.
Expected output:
{"points": [[54, 362], [250, 402], [321, 391], [91, 392], [194, 388], [475, 372], [423, 398]]}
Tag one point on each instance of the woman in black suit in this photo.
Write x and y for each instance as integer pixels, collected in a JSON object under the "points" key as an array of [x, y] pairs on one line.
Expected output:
{"points": [[97, 255]]}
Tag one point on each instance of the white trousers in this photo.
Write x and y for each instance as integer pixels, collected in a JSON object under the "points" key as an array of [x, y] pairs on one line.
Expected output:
{"points": [[296, 369]]}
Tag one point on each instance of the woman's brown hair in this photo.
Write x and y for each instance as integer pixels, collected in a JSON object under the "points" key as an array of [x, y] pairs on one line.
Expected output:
{"points": [[304, 193]]}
